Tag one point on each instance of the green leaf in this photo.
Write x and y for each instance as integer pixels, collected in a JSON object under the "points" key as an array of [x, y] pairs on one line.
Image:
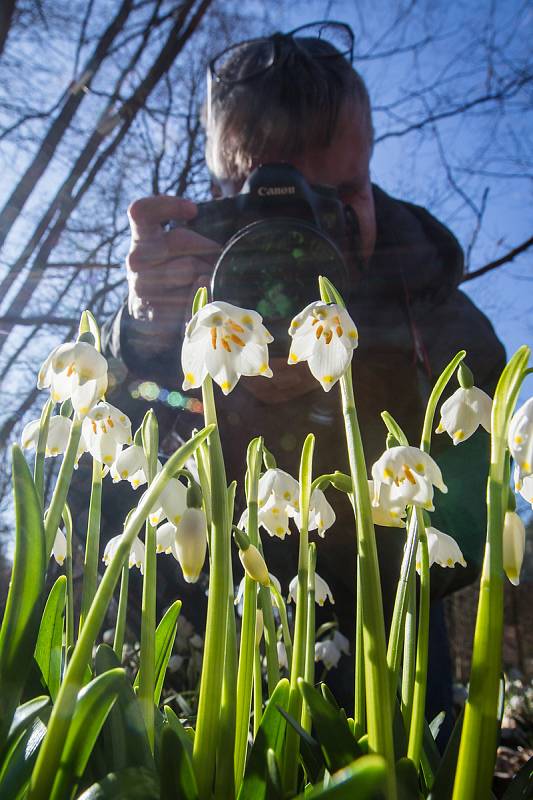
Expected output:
{"points": [[442, 787], [430, 757], [521, 787], [176, 725], [23, 605], [93, 705], [270, 736], [134, 783], [18, 763], [49, 647], [331, 728], [124, 731], [362, 779], [175, 767], [24, 716], [164, 642], [407, 778], [310, 751]]}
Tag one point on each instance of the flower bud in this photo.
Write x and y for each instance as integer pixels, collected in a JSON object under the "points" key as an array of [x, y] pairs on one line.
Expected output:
{"points": [[254, 565], [514, 543], [190, 543]]}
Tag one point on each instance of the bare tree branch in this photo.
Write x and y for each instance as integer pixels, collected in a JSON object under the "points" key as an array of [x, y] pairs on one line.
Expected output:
{"points": [[510, 256]]}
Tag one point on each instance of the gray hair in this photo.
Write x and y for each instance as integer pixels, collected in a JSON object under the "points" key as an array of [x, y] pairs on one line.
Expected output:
{"points": [[287, 109]]}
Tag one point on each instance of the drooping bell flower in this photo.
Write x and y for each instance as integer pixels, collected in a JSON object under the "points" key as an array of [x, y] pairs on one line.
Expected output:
{"points": [[75, 371], [322, 590], [411, 473], [463, 412], [514, 545], [442, 549], [190, 543], [136, 557], [520, 441], [106, 430]]}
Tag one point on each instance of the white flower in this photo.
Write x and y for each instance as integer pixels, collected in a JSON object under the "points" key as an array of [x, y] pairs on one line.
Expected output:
{"points": [[59, 549], [521, 441], [58, 435], [136, 558], [388, 513], [278, 495], [240, 590], [443, 550], [524, 486], [410, 473], [165, 536], [463, 412], [131, 465], [282, 655], [514, 543], [322, 590], [106, 429], [171, 504], [190, 543], [254, 565], [259, 626], [327, 652], [341, 642], [224, 341], [325, 336], [321, 514], [75, 370]]}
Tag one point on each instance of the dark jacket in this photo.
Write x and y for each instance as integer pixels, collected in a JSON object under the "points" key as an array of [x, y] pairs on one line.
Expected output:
{"points": [[412, 320]]}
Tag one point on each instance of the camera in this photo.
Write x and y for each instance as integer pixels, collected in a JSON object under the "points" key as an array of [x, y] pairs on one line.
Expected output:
{"points": [[278, 235]]}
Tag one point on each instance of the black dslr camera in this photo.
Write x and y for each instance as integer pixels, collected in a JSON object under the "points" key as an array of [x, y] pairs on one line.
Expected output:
{"points": [[278, 235]]}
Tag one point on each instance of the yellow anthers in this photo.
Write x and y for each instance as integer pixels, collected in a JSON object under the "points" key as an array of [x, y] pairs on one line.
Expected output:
{"points": [[328, 336], [237, 340], [408, 474], [214, 338], [226, 345], [339, 331], [318, 332], [388, 473], [110, 422], [71, 370], [93, 425], [235, 326]]}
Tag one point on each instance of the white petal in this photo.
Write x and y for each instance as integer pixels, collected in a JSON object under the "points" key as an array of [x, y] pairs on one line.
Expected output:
{"points": [[165, 537], [59, 549], [329, 361], [30, 435], [221, 366], [193, 361], [514, 543]]}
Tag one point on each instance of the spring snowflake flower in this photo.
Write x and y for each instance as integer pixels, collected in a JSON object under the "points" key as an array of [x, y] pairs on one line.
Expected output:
{"points": [[240, 590], [165, 536], [520, 441], [224, 341], [463, 412], [254, 565], [136, 558], [131, 465], [325, 336], [106, 429], [410, 473], [327, 652], [75, 371], [514, 544], [190, 543], [171, 504], [387, 512], [322, 590], [59, 549], [524, 486], [321, 514], [443, 550], [57, 440], [282, 655], [341, 642]]}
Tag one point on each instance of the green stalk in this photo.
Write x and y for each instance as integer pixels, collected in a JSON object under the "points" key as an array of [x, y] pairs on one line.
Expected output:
{"points": [[292, 740], [287, 641], [59, 496], [477, 750], [216, 626], [416, 729], [49, 758], [309, 672], [120, 624], [264, 599], [247, 644], [69, 622], [409, 654], [359, 713], [378, 708], [258, 690], [40, 452], [150, 439], [92, 543]]}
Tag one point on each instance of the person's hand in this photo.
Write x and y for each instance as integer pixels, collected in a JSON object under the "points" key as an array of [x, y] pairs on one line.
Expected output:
{"points": [[165, 267]]}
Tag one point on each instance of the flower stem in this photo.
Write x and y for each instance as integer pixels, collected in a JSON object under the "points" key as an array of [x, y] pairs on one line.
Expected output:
{"points": [[287, 641], [292, 740], [409, 654], [359, 713], [216, 626], [59, 496], [48, 760], [477, 750], [92, 543], [309, 672], [69, 621], [258, 690], [120, 624], [247, 643], [40, 452], [416, 729]]}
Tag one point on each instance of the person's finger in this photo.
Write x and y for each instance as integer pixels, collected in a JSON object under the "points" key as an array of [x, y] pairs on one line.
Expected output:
{"points": [[184, 241], [178, 274], [147, 214]]}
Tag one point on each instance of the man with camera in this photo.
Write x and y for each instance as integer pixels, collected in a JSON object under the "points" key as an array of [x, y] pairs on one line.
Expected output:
{"points": [[289, 140]]}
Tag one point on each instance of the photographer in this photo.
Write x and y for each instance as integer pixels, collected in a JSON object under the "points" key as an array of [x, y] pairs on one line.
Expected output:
{"points": [[295, 99]]}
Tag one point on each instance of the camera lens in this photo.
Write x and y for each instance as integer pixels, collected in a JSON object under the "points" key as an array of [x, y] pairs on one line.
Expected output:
{"points": [[272, 266]]}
